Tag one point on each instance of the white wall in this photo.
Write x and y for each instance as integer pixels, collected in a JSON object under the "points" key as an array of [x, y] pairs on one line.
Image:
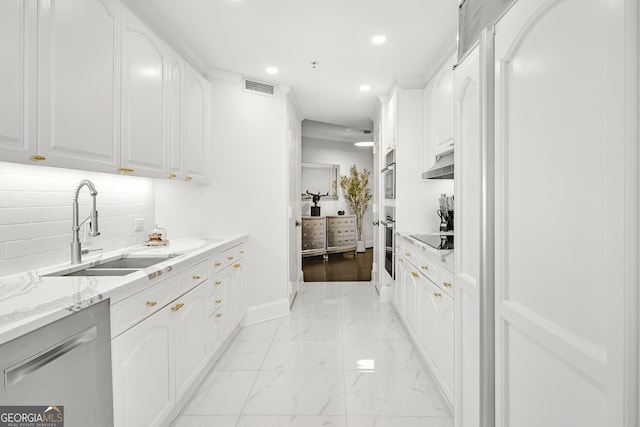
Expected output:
{"points": [[247, 194], [344, 154], [35, 213]]}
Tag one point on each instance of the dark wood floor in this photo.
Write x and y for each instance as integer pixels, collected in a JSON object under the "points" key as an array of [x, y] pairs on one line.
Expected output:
{"points": [[345, 267]]}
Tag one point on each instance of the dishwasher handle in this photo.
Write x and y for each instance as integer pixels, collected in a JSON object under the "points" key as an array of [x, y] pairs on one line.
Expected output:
{"points": [[36, 362]]}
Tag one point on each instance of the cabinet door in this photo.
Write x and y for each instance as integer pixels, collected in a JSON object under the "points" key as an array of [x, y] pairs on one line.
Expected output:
{"points": [[195, 126], [446, 343], [239, 303], [225, 281], [144, 147], [429, 301], [189, 329], [392, 120], [18, 80], [410, 280], [560, 139], [173, 128], [143, 385], [467, 226], [443, 108], [78, 83], [400, 281]]}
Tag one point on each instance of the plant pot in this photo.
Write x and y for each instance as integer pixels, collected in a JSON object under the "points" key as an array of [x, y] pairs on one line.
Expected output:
{"points": [[360, 246]]}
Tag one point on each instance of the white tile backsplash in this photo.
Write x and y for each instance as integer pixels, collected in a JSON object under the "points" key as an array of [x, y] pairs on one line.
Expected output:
{"points": [[35, 213]]}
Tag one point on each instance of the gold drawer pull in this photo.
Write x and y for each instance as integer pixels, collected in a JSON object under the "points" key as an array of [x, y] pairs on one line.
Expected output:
{"points": [[425, 268], [437, 294], [218, 315], [172, 175], [230, 258], [217, 264], [125, 170], [218, 301], [38, 158], [236, 265], [446, 284], [151, 303], [407, 255], [196, 277], [414, 274], [187, 178], [218, 283], [177, 307], [242, 252]]}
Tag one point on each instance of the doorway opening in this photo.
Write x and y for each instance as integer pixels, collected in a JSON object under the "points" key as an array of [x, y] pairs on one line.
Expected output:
{"points": [[329, 226]]}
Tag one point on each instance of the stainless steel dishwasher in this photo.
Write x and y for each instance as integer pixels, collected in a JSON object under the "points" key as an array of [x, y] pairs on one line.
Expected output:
{"points": [[64, 364]]}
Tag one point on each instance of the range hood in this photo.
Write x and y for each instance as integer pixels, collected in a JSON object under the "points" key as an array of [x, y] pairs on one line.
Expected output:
{"points": [[442, 168]]}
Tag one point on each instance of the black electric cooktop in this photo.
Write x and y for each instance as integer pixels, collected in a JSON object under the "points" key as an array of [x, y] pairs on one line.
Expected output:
{"points": [[435, 241]]}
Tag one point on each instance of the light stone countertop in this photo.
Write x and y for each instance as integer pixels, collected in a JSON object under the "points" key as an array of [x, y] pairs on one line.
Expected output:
{"points": [[444, 257], [31, 299]]}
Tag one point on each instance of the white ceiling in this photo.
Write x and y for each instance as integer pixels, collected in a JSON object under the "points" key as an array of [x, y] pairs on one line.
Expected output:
{"points": [[247, 36]]}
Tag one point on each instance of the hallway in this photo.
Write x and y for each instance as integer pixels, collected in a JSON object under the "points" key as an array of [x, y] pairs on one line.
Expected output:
{"points": [[340, 359]]}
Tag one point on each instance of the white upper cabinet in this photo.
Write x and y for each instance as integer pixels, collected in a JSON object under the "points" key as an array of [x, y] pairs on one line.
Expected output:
{"points": [[17, 80], [195, 126], [392, 122], [144, 57], [440, 111], [173, 119], [78, 83]]}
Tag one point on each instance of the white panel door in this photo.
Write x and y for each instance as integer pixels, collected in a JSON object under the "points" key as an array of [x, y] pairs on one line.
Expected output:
{"points": [[78, 83], [173, 118], [18, 80], [144, 146], [294, 140], [560, 235], [195, 126], [467, 226], [443, 108]]}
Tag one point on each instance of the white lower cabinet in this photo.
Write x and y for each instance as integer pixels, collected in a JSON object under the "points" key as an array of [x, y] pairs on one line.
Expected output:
{"points": [[424, 302], [159, 360], [190, 323], [143, 384]]}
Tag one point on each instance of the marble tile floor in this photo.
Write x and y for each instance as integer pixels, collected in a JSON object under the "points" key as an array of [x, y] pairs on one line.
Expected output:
{"points": [[340, 359]]}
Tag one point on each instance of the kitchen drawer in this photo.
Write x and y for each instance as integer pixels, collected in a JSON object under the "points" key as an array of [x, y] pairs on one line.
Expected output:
{"points": [[191, 277], [215, 285], [409, 254], [228, 257], [446, 282], [128, 312], [215, 302], [429, 268]]}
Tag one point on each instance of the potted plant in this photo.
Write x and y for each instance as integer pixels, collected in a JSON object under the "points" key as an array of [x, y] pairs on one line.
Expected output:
{"points": [[354, 187]]}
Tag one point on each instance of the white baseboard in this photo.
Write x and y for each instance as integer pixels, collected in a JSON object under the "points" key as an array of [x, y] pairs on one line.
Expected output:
{"points": [[267, 311]]}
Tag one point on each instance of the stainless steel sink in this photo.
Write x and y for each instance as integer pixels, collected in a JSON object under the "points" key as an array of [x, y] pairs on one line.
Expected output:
{"points": [[103, 272], [122, 266], [131, 262]]}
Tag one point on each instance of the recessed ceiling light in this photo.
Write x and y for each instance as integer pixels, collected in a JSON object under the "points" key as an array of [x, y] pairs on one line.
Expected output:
{"points": [[379, 39], [364, 144], [365, 88], [272, 70]]}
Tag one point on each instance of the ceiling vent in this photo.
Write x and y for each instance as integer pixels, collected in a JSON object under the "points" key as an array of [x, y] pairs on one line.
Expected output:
{"points": [[259, 88]]}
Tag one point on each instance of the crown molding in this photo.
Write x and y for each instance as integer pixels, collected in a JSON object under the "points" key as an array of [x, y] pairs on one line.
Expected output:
{"points": [[147, 15], [227, 76], [443, 57], [293, 102]]}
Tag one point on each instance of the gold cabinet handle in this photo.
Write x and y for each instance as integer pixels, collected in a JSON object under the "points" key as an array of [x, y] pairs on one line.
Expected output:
{"points": [[172, 175], [242, 252], [217, 264], [414, 274], [437, 294], [187, 178], [125, 170], [151, 303], [230, 258], [446, 284], [236, 265], [177, 307], [218, 315], [196, 277], [218, 283], [38, 158], [425, 268], [407, 255], [218, 301]]}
